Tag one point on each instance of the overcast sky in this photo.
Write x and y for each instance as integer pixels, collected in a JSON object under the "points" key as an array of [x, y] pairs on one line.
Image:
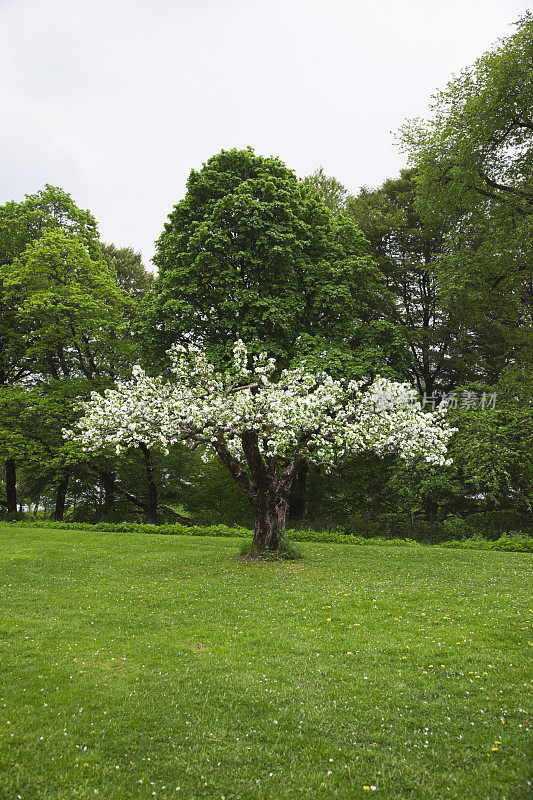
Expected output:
{"points": [[116, 100]]}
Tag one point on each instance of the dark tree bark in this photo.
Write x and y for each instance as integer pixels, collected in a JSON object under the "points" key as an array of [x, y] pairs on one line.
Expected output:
{"points": [[61, 496], [270, 515], [267, 488], [108, 479], [151, 507], [11, 486]]}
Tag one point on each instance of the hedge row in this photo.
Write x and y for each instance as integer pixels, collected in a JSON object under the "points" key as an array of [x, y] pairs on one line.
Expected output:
{"points": [[514, 543], [509, 542]]}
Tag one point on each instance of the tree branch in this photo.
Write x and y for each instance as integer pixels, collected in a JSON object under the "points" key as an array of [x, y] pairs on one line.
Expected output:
{"points": [[234, 468]]}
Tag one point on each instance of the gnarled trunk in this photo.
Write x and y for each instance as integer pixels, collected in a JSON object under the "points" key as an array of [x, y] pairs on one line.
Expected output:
{"points": [[266, 488], [270, 516]]}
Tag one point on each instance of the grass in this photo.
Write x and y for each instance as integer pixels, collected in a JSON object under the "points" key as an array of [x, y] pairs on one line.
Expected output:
{"points": [[148, 667], [286, 552]]}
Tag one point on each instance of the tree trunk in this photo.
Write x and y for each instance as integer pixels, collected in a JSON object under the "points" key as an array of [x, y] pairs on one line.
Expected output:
{"points": [[297, 495], [61, 497], [11, 486], [270, 516], [109, 493], [151, 508]]}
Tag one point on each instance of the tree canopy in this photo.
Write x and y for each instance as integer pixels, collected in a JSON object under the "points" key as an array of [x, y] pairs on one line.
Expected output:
{"points": [[253, 253], [475, 164]]}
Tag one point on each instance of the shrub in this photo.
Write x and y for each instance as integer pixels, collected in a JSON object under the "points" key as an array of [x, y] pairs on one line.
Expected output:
{"points": [[454, 527], [510, 542]]}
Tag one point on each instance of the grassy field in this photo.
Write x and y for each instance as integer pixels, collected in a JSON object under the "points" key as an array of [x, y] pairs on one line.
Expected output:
{"points": [[136, 666]]}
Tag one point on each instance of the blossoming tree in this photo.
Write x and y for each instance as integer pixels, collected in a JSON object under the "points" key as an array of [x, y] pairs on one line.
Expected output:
{"points": [[262, 426]]}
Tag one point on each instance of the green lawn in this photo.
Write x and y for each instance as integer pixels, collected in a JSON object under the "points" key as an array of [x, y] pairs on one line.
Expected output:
{"points": [[137, 666]]}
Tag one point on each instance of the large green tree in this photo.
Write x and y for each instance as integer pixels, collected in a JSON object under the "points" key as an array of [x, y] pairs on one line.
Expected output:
{"points": [[21, 224], [253, 253], [71, 305], [68, 305], [407, 249], [475, 168]]}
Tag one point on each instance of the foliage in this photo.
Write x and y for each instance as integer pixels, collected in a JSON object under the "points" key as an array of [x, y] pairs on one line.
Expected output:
{"points": [[50, 209], [492, 449], [130, 273], [330, 190], [211, 496], [65, 327], [407, 250], [71, 305], [514, 542], [21, 225], [475, 167], [251, 253]]}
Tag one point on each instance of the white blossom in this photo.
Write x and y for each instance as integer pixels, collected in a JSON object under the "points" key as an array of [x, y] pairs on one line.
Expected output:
{"points": [[299, 415]]}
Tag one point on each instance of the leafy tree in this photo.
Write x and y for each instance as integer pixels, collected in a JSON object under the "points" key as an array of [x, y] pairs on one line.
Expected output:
{"points": [[262, 428], [32, 419], [475, 167], [407, 250], [21, 224], [331, 191], [66, 329], [72, 306], [252, 253], [49, 209], [130, 273], [493, 446]]}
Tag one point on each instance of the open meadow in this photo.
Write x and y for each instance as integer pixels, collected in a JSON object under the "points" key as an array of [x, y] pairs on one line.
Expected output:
{"points": [[137, 666]]}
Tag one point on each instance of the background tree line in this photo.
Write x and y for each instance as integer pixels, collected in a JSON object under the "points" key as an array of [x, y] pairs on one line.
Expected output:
{"points": [[427, 279]]}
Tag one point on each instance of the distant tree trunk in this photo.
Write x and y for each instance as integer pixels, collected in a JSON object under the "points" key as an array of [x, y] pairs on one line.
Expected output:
{"points": [[151, 507], [431, 509], [61, 496], [297, 495], [109, 492], [11, 486]]}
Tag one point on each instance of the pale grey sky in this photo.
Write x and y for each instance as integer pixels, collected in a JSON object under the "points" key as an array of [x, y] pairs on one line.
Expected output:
{"points": [[116, 100]]}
